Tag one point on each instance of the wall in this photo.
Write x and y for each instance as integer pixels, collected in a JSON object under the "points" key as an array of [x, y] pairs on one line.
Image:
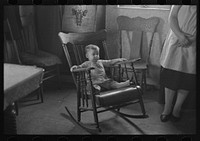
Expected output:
{"points": [[112, 12]]}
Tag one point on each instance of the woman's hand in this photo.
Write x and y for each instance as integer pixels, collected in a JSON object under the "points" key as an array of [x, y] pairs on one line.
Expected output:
{"points": [[183, 41]]}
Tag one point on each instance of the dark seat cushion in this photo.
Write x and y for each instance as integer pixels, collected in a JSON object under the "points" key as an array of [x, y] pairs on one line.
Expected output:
{"points": [[118, 96]]}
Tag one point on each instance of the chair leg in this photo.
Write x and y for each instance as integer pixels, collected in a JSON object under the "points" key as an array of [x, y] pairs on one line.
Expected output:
{"points": [[142, 103], [144, 85], [142, 106], [10, 126], [58, 75], [145, 80], [141, 78], [41, 92], [95, 116], [38, 94], [78, 107], [78, 114], [15, 104]]}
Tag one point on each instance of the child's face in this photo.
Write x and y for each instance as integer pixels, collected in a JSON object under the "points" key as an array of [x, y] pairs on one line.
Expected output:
{"points": [[93, 55]]}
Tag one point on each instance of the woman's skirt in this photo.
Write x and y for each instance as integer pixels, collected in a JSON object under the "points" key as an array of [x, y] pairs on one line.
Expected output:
{"points": [[176, 80]]}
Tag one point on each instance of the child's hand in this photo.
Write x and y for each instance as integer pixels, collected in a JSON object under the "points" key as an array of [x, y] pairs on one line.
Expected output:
{"points": [[73, 67]]}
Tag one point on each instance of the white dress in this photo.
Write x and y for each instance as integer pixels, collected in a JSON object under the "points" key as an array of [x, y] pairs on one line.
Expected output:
{"points": [[180, 58]]}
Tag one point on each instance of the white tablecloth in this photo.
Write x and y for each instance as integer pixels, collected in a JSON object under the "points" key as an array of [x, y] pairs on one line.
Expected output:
{"points": [[19, 81]]}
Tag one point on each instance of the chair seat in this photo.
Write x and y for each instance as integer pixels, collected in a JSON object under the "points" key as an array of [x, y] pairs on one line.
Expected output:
{"points": [[40, 59], [119, 96]]}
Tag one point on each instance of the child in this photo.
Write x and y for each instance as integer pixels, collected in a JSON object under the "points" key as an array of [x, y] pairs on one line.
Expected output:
{"points": [[98, 75]]}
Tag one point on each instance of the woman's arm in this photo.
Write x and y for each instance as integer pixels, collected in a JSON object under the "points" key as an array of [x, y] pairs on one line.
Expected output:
{"points": [[174, 25]]}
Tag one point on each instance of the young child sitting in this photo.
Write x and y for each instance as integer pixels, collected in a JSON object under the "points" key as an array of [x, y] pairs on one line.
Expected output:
{"points": [[98, 75]]}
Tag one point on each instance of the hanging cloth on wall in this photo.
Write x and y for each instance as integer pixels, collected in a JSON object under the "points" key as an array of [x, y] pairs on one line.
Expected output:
{"points": [[80, 18], [48, 21]]}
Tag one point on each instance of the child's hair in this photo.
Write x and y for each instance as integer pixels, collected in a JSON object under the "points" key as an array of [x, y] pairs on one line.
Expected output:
{"points": [[91, 47]]}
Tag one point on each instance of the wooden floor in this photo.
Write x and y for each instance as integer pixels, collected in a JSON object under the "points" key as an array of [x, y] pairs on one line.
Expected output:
{"points": [[50, 117]]}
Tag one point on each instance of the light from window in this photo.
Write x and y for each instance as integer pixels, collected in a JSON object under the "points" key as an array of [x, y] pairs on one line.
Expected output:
{"points": [[152, 7]]}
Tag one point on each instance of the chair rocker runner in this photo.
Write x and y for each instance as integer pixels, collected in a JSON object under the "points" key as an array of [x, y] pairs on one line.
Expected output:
{"points": [[92, 99]]}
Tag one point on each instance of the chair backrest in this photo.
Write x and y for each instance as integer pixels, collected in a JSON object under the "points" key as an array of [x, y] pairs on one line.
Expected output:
{"points": [[132, 36], [21, 40], [11, 53], [74, 46]]}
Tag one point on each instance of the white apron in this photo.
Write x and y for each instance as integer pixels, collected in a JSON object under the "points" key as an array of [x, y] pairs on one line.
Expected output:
{"points": [[180, 58]]}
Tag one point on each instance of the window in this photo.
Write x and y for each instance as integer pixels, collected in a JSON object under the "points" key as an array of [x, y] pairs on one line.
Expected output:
{"points": [[152, 7]]}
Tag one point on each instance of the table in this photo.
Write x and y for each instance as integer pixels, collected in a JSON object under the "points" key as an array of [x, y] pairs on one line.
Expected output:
{"points": [[19, 81]]}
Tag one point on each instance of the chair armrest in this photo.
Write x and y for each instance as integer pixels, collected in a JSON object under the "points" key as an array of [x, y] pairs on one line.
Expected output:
{"points": [[82, 69], [127, 61], [83, 79]]}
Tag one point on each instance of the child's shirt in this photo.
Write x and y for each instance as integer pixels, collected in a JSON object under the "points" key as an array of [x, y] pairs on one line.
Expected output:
{"points": [[98, 75]]}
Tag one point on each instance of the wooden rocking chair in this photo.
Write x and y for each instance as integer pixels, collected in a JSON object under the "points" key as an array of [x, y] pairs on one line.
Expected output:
{"points": [[93, 100]]}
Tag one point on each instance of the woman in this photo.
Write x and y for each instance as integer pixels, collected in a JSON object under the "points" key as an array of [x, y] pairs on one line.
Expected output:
{"points": [[178, 60]]}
